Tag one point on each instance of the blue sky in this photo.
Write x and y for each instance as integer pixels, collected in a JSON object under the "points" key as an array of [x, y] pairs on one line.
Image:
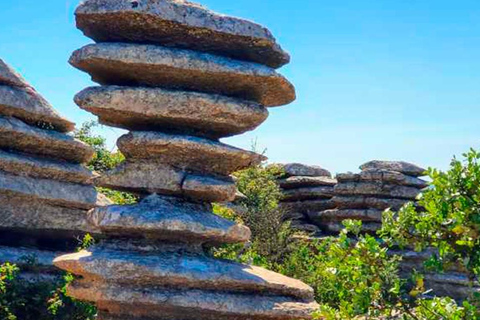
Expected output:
{"points": [[375, 79]]}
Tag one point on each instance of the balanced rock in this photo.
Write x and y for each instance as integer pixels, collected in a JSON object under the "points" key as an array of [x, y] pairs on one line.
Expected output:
{"points": [[399, 166], [155, 66], [383, 176], [181, 24], [298, 169]]}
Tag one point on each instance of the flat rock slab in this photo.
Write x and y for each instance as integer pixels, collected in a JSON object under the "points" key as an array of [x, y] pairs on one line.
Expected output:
{"points": [[180, 24], [155, 66], [371, 215], [8, 76], [377, 189], [383, 176], [171, 219], [298, 169], [303, 182], [17, 135], [29, 106], [25, 165], [307, 205], [366, 202], [325, 192], [189, 304], [399, 166], [21, 257], [187, 152], [151, 177], [57, 193], [182, 271], [185, 112]]}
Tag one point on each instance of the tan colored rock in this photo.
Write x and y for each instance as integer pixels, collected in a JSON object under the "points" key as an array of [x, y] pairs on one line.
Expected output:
{"points": [[180, 24], [303, 182], [16, 135], [370, 215], [29, 106], [399, 166], [170, 219], [383, 176], [377, 189], [187, 152], [8, 76], [155, 66], [189, 271], [189, 304], [177, 111], [43, 168], [324, 192]]}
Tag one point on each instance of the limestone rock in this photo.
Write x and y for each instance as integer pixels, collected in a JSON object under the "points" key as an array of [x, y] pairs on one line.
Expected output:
{"points": [[10, 77], [337, 227], [187, 152], [209, 189], [25, 165], [366, 202], [29, 106], [155, 66], [307, 205], [179, 24], [383, 176], [167, 218], [16, 135], [201, 305], [308, 193], [298, 169], [376, 189], [371, 215], [302, 182], [399, 166], [191, 271], [20, 257], [176, 111]]}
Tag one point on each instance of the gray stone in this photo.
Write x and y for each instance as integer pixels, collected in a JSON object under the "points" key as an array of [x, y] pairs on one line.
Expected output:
{"points": [[189, 304], [307, 205], [366, 202], [187, 152], [370, 215], [155, 66], [58, 193], [176, 111], [22, 257], [306, 227], [170, 219], [16, 135], [294, 215], [8, 76], [192, 271], [298, 169], [29, 106], [399, 166], [383, 176], [179, 24], [25, 165], [336, 227], [209, 189], [302, 182], [308, 193], [377, 189]]}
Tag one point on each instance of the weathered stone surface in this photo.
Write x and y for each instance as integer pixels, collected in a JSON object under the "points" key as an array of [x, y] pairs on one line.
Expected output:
{"points": [[336, 227], [41, 219], [29, 106], [307, 205], [191, 271], [169, 219], [8, 76], [153, 109], [25, 165], [366, 202], [189, 304], [340, 215], [179, 24], [209, 189], [187, 152], [298, 169], [155, 66], [308, 193], [16, 135], [302, 182], [58, 193], [399, 166], [304, 226], [377, 189], [383, 176], [22, 257]]}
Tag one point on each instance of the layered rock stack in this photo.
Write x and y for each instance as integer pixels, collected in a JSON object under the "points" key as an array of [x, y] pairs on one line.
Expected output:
{"points": [[179, 77], [365, 195], [45, 192], [307, 190]]}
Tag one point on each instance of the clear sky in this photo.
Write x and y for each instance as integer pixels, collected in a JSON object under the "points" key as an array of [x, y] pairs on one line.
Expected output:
{"points": [[375, 79]]}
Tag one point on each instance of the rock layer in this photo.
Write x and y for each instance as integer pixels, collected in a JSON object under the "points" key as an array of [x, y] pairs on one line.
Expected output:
{"points": [[178, 102]]}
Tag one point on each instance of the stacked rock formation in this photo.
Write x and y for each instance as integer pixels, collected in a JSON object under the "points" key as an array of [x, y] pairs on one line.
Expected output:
{"points": [[179, 77], [307, 190], [45, 192], [365, 195]]}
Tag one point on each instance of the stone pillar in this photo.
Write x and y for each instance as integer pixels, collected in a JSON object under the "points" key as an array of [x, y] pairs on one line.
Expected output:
{"points": [[178, 77], [45, 192], [307, 190]]}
